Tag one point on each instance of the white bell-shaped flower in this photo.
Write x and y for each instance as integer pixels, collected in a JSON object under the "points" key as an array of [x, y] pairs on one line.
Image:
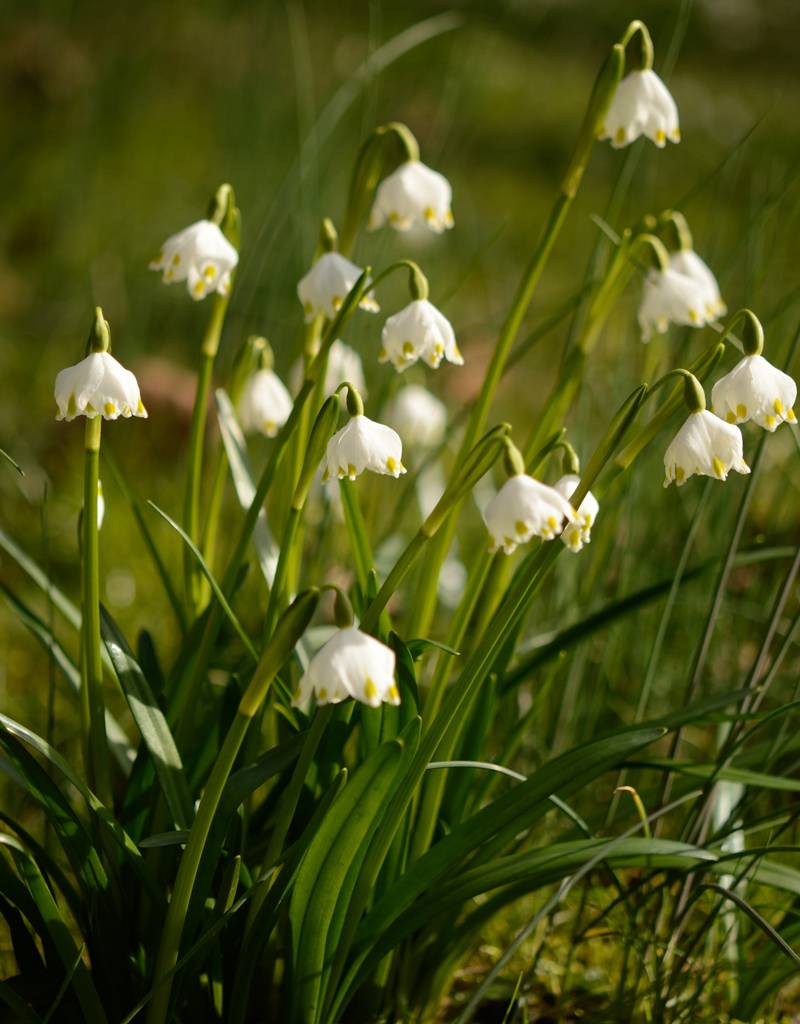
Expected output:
{"points": [[327, 284], [265, 404], [688, 263], [418, 331], [98, 386], [705, 445], [418, 416], [201, 256], [364, 444], [350, 664], [755, 390], [413, 194], [525, 508], [641, 105], [670, 297], [576, 534]]}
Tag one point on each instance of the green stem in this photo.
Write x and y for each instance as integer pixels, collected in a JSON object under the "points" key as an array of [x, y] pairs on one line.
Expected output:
{"points": [[277, 596], [275, 653], [425, 602], [93, 707], [285, 814], [356, 527], [190, 682], [191, 506]]}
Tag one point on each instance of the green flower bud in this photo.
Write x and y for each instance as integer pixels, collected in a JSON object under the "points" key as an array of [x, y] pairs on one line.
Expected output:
{"points": [[99, 339]]}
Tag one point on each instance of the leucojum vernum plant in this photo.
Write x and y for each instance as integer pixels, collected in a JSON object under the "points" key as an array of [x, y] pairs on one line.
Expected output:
{"points": [[309, 813]]}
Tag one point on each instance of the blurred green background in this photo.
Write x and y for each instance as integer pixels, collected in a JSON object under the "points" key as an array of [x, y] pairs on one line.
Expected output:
{"points": [[120, 120]]}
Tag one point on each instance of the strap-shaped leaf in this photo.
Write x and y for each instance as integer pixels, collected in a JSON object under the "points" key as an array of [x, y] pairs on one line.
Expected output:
{"points": [[59, 931], [347, 825], [150, 721]]}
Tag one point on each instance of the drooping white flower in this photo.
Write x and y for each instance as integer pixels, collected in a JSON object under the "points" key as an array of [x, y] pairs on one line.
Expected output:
{"points": [[576, 534], [364, 444], [755, 390], [418, 416], [705, 445], [413, 194], [265, 404], [418, 331], [670, 297], [97, 386], [525, 508], [201, 256], [641, 105], [688, 263], [350, 664], [327, 284]]}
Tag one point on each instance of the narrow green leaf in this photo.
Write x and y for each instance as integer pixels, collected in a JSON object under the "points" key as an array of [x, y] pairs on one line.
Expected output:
{"points": [[59, 932], [229, 612], [149, 541], [324, 867], [118, 740], [150, 721]]}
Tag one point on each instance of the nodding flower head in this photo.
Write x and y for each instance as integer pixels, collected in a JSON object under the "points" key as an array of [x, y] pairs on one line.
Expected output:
{"points": [[755, 390], [364, 444], [418, 331], [265, 404], [350, 665], [688, 263], [524, 508], [705, 445], [413, 194], [671, 297], [327, 284], [579, 532], [98, 386], [641, 105], [201, 256]]}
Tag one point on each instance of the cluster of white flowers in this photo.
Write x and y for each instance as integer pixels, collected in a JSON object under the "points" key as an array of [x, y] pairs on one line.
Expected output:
{"points": [[711, 443], [683, 291]]}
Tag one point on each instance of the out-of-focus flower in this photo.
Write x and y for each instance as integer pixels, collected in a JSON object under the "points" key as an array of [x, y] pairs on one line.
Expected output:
{"points": [[418, 331], [705, 445], [97, 386], [576, 534], [350, 664], [418, 416], [364, 444], [265, 404], [641, 105], [688, 263], [201, 256], [525, 508], [413, 194], [327, 284], [755, 390], [671, 297]]}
